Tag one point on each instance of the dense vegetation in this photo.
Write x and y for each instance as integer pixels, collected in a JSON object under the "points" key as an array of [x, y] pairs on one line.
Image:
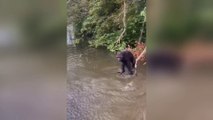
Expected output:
{"points": [[109, 23]]}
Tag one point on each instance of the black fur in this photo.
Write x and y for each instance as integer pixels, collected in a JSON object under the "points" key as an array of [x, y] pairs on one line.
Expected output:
{"points": [[127, 61]]}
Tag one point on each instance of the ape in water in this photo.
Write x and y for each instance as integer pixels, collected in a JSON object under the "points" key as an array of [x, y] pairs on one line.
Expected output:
{"points": [[127, 61]]}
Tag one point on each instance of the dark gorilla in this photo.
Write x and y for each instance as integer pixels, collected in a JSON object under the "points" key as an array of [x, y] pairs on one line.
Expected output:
{"points": [[127, 61]]}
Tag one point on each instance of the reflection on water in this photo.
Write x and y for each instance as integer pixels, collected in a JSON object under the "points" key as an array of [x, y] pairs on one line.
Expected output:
{"points": [[96, 93]]}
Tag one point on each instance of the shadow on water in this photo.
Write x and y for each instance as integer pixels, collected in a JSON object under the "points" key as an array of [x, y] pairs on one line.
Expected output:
{"points": [[96, 93]]}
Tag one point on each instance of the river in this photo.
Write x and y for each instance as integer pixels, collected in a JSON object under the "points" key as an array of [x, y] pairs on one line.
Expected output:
{"points": [[96, 92]]}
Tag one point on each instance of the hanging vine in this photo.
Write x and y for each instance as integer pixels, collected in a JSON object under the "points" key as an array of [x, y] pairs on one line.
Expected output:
{"points": [[125, 9]]}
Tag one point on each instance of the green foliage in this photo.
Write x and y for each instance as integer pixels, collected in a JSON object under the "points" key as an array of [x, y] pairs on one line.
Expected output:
{"points": [[134, 24], [102, 24]]}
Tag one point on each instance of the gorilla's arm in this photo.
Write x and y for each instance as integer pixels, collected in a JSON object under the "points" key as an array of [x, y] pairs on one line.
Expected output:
{"points": [[122, 67], [133, 62]]}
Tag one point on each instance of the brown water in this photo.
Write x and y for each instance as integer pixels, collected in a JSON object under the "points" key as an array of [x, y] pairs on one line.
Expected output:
{"points": [[96, 92]]}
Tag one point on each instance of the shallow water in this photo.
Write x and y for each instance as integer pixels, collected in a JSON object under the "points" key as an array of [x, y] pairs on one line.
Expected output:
{"points": [[96, 92]]}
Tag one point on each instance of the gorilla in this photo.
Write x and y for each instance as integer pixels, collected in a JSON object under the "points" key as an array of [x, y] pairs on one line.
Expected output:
{"points": [[127, 61]]}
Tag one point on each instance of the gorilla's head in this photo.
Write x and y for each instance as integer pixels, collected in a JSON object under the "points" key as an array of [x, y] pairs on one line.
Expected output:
{"points": [[119, 56]]}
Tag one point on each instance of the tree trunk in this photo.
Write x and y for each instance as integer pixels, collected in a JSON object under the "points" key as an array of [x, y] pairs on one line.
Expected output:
{"points": [[141, 35]]}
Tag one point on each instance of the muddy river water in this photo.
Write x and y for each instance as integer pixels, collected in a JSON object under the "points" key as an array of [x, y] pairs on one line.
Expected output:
{"points": [[96, 92]]}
